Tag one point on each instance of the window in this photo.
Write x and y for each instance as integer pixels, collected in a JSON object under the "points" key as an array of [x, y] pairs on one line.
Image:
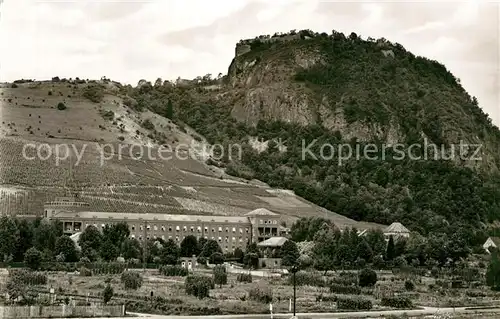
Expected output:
{"points": [[199, 229], [177, 228], [220, 238], [102, 225], [241, 230], [163, 237], [148, 227], [241, 240], [140, 227], [246, 230], [213, 230], [185, 228], [155, 227], [169, 228], [220, 228], [133, 236], [162, 228], [176, 238], [234, 238], [227, 229], [206, 229], [227, 239], [261, 222], [234, 229], [192, 229], [133, 227]]}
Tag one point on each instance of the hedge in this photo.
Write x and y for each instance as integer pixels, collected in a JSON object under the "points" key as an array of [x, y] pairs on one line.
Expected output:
{"points": [[199, 286], [303, 278], [397, 302], [354, 304], [173, 271], [244, 278], [347, 290]]}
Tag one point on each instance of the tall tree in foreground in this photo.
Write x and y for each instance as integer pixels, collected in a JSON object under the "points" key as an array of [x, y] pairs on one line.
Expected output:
{"points": [[290, 254], [9, 237]]}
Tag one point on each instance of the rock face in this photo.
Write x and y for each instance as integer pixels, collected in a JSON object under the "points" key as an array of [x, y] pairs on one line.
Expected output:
{"points": [[379, 91]]}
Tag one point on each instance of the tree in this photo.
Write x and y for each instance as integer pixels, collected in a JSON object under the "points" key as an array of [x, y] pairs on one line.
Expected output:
{"points": [[131, 280], [367, 278], [116, 233], [109, 251], [238, 254], [9, 237], [169, 112], [217, 258], [107, 294], [189, 246], [131, 248], [375, 238], [290, 254], [33, 258], [324, 250], [90, 242], [46, 234], [170, 253], [390, 252], [493, 272], [220, 275], [364, 250], [67, 247], [25, 238], [210, 247]]}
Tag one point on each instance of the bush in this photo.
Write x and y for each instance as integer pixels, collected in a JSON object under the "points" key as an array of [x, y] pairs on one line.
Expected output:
{"points": [[61, 106], [220, 275], [345, 279], [354, 304], [131, 280], [173, 271], [303, 278], [347, 290], [94, 93], [148, 125], [261, 294], [33, 258], [107, 294], [198, 286], [367, 278], [85, 272], [409, 285], [244, 278], [397, 302], [29, 277]]}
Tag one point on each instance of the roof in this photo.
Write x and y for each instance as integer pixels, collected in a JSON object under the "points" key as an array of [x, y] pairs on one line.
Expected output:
{"points": [[152, 217], [396, 228], [496, 240], [261, 212], [273, 242]]}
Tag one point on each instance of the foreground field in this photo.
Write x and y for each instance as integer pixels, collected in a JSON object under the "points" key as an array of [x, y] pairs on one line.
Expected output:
{"points": [[166, 295]]}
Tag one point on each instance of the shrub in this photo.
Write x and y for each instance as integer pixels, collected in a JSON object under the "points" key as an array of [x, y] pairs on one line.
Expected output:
{"points": [[107, 294], [148, 125], [198, 286], [220, 275], [28, 277], [261, 294], [49, 93], [354, 304], [367, 278], [244, 278], [303, 278], [33, 258], [85, 272], [94, 93], [397, 302], [173, 271], [14, 85], [347, 290], [346, 279], [131, 280], [61, 106], [409, 285]]}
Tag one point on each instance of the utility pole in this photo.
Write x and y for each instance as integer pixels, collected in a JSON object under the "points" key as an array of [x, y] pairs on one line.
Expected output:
{"points": [[145, 248]]}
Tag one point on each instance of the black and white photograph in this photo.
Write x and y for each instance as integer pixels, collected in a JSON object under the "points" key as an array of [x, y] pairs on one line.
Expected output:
{"points": [[249, 159]]}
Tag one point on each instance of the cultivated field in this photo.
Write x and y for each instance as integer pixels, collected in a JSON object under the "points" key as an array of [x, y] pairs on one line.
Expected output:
{"points": [[118, 180]]}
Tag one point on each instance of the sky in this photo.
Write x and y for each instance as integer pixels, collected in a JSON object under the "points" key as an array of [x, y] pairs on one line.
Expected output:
{"points": [[131, 40]]}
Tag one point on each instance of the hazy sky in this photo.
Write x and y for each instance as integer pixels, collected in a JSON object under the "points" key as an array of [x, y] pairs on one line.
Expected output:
{"points": [[130, 40]]}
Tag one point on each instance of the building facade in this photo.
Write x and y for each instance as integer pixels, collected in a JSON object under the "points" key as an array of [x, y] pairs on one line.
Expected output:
{"points": [[230, 232]]}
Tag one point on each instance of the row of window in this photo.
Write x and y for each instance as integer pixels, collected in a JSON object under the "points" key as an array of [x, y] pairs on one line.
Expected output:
{"points": [[274, 222], [178, 239]]}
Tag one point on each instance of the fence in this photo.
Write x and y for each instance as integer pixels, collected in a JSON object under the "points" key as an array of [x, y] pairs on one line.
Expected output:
{"points": [[64, 311]]}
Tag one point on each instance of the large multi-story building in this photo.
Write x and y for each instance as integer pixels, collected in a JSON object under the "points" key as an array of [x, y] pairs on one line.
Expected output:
{"points": [[229, 231]]}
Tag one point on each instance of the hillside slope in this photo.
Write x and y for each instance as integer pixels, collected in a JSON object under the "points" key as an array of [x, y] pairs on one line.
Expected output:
{"points": [[103, 128], [345, 91]]}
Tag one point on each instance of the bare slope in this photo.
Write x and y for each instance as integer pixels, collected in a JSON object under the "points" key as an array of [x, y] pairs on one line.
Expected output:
{"points": [[123, 180]]}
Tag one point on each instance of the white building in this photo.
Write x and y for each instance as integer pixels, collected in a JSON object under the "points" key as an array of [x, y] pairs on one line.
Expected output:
{"points": [[491, 242], [396, 230]]}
